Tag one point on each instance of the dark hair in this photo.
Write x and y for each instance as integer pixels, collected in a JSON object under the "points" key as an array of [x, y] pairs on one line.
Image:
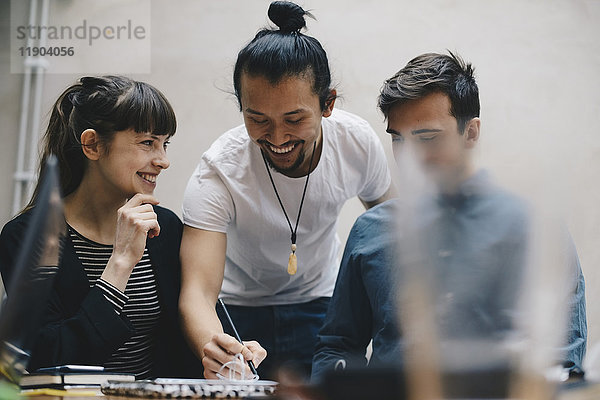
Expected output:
{"points": [[429, 73], [106, 104], [282, 53]]}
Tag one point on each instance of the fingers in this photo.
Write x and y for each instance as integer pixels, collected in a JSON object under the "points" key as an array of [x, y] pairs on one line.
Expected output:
{"points": [[223, 348], [141, 216], [257, 351], [235, 369], [140, 198]]}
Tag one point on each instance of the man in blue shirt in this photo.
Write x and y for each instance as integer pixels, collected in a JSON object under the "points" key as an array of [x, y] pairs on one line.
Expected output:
{"points": [[477, 233]]}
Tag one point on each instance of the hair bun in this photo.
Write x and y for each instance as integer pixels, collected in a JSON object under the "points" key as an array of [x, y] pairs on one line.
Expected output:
{"points": [[288, 16]]}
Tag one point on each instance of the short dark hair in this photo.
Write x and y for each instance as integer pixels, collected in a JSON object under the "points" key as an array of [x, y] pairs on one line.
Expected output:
{"points": [[431, 73], [285, 52]]}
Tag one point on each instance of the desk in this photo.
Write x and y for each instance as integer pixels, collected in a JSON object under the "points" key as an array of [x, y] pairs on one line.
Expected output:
{"points": [[587, 391]]}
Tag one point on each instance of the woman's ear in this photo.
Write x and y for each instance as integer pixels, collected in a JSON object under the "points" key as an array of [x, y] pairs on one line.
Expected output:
{"points": [[90, 144], [329, 103]]}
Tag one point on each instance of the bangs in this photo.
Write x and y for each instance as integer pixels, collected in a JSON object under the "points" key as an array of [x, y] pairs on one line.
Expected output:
{"points": [[145, 109]]}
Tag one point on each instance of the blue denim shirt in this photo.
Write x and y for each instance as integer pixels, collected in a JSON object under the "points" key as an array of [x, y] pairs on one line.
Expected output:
{"points": [[480, 236]]}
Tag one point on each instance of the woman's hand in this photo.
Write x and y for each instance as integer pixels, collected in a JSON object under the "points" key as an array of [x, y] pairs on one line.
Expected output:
{"points": [[136, 221]]}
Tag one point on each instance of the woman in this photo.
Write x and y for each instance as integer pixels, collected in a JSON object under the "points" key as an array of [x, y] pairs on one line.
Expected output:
{"points": [[114, 301]]}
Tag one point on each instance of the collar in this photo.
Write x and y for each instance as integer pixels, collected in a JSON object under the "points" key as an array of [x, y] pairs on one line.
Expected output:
{"points": [[477, 184]]}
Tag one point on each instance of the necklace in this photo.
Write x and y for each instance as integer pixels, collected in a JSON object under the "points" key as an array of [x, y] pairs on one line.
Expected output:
{"points": [[292, 261]]}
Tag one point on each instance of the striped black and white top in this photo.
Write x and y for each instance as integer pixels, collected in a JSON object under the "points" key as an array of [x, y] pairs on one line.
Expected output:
{"points": [[139, 304]]}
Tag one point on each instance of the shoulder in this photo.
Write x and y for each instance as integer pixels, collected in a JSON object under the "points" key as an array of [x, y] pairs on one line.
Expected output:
{"points": [[346, 122], [374, 229], [506, 204], [10, 242], [165, 214], [352, 136], [17, 225], [229, 147], [167, 217], [381, 216], [501, 207]]}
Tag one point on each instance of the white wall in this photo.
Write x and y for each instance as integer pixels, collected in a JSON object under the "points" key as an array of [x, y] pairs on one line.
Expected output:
{"points": [[536, 61]]}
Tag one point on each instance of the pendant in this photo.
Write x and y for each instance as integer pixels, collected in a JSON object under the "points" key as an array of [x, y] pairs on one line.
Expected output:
{"points": [[293, 261]]}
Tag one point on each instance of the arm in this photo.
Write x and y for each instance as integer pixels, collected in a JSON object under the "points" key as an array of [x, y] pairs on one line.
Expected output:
{"points": [[377, 178], [79, 325], [389, 194], [346, 331], [83, 325], [203, 265]]}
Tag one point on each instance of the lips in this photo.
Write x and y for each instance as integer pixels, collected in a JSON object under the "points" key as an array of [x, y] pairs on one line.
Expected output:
{"points": [[281, 149], [151, 178]]}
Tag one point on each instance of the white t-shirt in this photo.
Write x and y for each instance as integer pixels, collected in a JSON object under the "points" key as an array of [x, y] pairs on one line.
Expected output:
{"points": [[230, 192]]}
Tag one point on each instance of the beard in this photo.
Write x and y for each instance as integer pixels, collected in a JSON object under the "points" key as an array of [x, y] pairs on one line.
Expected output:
{"points": [[286, 170]]}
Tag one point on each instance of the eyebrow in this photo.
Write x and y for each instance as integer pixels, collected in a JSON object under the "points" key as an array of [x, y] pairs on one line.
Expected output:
{"points": [[297, 111], [146, 134], [415, 132]]}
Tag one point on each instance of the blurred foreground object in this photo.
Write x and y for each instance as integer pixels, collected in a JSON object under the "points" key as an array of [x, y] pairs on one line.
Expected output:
{"points": [[34, 270]]}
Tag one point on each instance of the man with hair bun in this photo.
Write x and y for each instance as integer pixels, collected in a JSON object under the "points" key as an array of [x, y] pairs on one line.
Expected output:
{"points": [[470, 232], [260, 210]]}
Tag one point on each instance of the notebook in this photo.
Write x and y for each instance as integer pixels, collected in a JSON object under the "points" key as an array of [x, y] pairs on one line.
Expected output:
{"points": [[32, 277], [191, 388], [61, 379]]}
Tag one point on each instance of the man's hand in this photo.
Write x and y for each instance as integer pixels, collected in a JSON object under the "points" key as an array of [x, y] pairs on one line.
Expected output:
{"points": [[222, 348]]}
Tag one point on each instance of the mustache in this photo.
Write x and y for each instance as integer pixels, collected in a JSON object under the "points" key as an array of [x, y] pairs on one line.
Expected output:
{"points": [[288, 143]]}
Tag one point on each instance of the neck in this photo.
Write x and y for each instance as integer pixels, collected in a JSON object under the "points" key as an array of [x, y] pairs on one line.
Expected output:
{"points": [[92, 211], [450, 186]]}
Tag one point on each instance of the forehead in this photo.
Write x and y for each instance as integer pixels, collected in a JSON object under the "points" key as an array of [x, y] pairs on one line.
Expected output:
{"points": [[130, 135], [433, 108], [259, 92]]}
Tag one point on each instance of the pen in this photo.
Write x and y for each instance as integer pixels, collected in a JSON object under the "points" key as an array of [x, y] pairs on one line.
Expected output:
{"points": [[237, 335]]}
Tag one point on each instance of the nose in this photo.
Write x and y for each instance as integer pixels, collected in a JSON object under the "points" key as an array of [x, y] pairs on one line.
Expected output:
{"points": [[278, 135], [161, 159]]}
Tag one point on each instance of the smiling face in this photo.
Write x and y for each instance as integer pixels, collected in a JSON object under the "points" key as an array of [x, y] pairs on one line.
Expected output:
{"points": [[443, 151], [132, 162], [284, 120]]}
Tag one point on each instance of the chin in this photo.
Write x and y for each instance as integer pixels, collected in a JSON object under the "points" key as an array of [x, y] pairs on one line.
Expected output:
{"points": [[288, 167]]}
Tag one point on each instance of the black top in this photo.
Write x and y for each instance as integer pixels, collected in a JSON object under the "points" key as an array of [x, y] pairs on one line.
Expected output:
{"points": [[81, 325]]}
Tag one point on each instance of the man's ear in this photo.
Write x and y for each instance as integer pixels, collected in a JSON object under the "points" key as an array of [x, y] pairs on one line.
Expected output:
{"points": [[90, 144], [329, 103], [472, 132]]}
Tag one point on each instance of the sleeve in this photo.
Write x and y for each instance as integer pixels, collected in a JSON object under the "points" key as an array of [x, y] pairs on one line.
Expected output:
{"points": [[117, 298], [346, 331], [90, 336], [377, 177], [79, 326], [207, 203], [10, 239]]}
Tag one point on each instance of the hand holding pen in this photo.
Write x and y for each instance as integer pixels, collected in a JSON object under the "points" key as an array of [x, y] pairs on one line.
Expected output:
{"points": [[222, 348]]}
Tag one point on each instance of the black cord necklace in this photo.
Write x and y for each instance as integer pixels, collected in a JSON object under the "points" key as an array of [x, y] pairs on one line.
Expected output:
{"points": [[292, 261]]}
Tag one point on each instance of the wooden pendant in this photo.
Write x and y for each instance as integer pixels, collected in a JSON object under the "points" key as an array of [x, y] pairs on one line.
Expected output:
{"points": [[293, 262]]}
